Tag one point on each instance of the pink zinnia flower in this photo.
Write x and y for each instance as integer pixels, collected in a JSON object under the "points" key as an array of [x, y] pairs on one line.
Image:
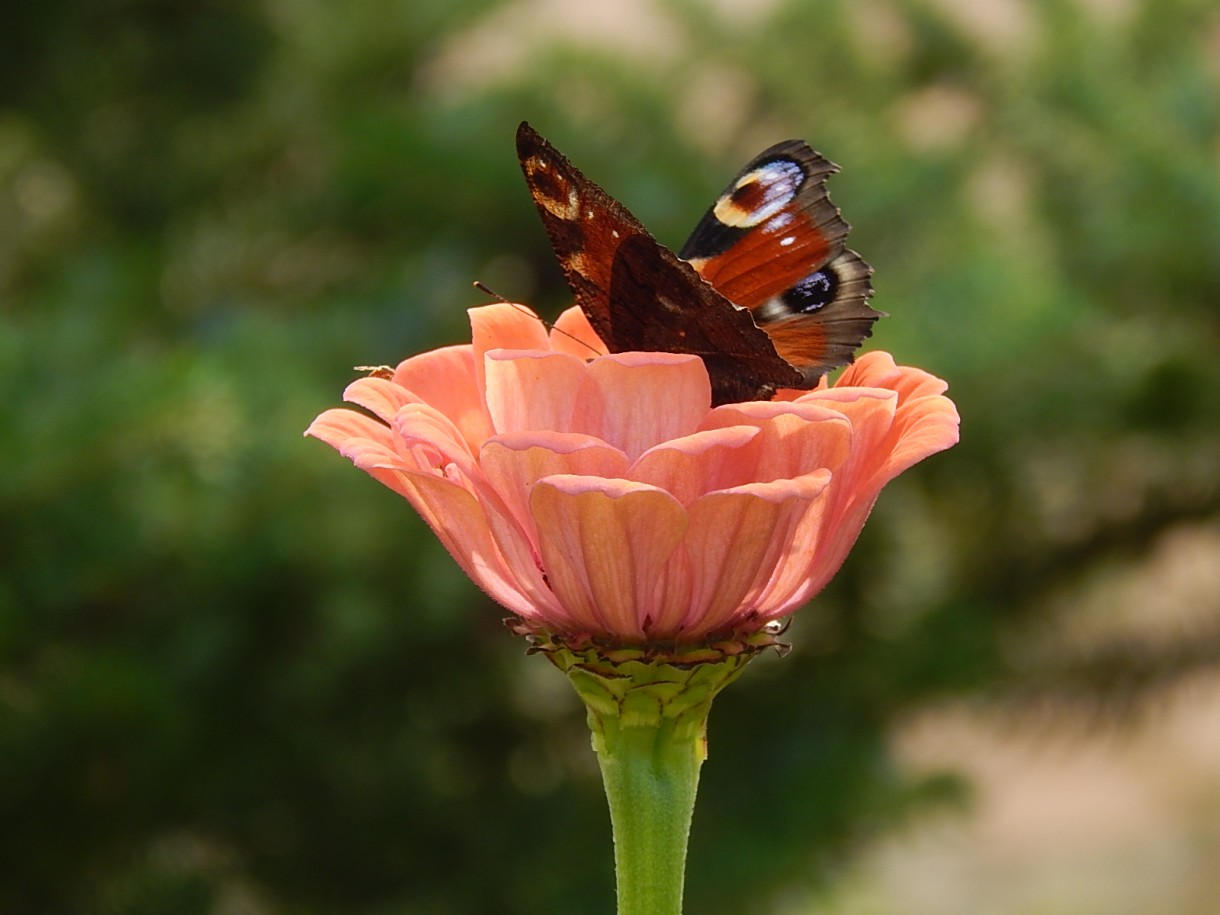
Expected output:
{"points": [[604, 498]]}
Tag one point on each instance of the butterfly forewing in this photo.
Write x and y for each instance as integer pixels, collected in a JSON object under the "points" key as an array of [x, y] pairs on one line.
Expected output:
{"points": [[683, 314], [585, 224]]}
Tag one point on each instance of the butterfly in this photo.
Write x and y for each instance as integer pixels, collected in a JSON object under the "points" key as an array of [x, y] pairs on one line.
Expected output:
{"points": [[765, 290]]}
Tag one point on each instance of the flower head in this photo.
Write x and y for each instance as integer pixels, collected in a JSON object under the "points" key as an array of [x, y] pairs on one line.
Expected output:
{"points": [[604, 498]]}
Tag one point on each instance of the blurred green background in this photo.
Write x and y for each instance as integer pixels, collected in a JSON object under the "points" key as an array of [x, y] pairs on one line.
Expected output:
{"points": [[238, 676]]}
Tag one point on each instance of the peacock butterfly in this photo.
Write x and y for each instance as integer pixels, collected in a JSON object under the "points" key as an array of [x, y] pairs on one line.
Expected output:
{"points": [[764, 290]]}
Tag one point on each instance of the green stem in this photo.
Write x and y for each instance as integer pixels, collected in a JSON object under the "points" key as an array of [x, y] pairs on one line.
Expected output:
{"points": [[651, 774], [647, 711]]}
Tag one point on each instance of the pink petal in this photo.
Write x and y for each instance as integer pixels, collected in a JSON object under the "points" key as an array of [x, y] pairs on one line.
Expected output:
{"points": [[877, 369], [837, 535], [822, 543], [629, 400], [789, 586], [868, 371], [380, 396], [466, 516], [606, 546], [643, 399], [503, 325], [531, 390], [736, 540], [446, 380], [518, 545], [923, 426], [894, 424], [513, 463], [433, 439], [890, 435], [459, 521], [574, 335], [690, 466], [795, 437], [368, 444], [870, 411], [336, 426]]}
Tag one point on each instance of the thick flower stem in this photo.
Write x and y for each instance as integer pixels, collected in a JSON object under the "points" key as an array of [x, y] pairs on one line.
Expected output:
{"points": [[650, 774], [647, 711]]}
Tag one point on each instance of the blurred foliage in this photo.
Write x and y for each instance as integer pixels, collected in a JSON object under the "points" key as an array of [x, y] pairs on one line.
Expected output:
{"points": [[238, 676]]}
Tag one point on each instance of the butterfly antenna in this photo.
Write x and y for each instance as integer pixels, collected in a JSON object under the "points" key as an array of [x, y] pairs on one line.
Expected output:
{"points": [[483, 288], [575, 339], [486, 290]]}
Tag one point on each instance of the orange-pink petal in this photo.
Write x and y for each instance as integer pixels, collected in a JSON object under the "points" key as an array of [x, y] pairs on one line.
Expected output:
{"points": [[514, 462], [794, 438], [605, 545], [460, 522], [445, 379], [368, 444], [432, 440], [503, 325], [573, 334], [337, 426], [380, 396], [535, 391], [637, 400], [925, 425], [737, 539], [692, 465]]}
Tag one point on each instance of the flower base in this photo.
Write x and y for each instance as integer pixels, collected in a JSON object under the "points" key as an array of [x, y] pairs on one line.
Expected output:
{"points": [[647, 711]]}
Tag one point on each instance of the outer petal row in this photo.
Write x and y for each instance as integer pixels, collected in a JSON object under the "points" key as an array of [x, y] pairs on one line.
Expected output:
{"points": [[627, 560], [599, 495], [605, 545]]}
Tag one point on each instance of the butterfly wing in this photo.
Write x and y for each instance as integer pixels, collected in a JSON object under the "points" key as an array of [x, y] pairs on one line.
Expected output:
{"points": [[659, 303], [585, 224], [775, 244], [637, 294]]}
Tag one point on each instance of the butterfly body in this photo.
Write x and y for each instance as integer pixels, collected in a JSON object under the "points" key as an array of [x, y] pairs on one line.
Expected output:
{"points": [[764, 290]]}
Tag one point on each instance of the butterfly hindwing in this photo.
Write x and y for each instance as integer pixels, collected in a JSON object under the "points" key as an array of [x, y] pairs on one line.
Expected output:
{"points": [[770, 227], [774, 243]]}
